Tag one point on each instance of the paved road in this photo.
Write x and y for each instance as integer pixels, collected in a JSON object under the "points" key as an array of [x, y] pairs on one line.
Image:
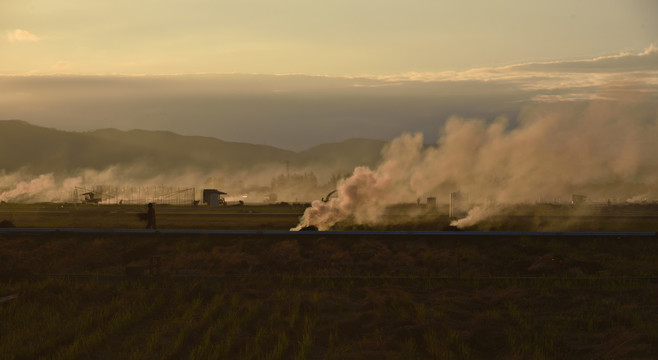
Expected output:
{"points": [[28, 231]]}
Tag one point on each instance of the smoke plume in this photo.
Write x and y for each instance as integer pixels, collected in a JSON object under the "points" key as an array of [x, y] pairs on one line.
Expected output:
{"points": [[605, 149], [135, 182]]}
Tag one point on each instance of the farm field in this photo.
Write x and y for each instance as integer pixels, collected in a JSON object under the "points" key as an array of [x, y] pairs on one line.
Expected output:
{"points": [[153, 295], [542, 217], [281, 217]]}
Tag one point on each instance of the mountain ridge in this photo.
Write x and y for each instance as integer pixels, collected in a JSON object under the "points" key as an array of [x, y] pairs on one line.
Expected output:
{"points": [[33, 148]]}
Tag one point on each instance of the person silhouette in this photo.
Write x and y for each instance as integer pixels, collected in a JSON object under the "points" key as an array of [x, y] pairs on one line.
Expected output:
{"points": [[150, 217]]}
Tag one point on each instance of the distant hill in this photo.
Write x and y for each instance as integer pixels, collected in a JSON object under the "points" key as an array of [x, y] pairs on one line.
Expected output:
{"points": [[40, 150], [170, 149], [346, 154]]}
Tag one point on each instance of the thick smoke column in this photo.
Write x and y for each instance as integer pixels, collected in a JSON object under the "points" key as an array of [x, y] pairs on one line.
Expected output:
{"points": [[19, 187], [553, 150]]}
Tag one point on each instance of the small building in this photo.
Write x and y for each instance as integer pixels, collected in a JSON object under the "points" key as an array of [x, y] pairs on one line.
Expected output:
{"points": [[213, 197]]}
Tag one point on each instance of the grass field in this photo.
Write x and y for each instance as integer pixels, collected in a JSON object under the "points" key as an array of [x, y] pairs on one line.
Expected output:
{"points": [[542, 217], [79, 296], [168, 217]]}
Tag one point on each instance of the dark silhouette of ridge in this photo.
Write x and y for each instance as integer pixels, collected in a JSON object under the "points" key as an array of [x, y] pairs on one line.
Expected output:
{"points": [[42, 150]]}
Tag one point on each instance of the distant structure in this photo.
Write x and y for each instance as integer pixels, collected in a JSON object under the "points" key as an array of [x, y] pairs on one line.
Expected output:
{"points": [[213, 197], [90, 198], [326, 199], [125, 195], [578, 199], [458, 204], [431, 202]]}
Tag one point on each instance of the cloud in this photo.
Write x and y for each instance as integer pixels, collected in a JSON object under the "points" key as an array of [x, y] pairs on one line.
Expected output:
{"points": [[260, 108], [642, 66], [646, 60], [20, 35], [306, 111], [571, 80], [61, 65]]}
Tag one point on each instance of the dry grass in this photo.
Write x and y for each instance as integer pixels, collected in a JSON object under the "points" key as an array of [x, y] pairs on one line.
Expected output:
{"points": [[408, 217], [315, 297], [168, 217], [352, 298], [323, 318]]}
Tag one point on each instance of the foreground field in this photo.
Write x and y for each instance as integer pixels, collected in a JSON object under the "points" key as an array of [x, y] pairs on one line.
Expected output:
{"points": [[316, 297]]}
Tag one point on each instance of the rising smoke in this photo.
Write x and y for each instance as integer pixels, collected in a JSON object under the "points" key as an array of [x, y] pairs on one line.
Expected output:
{"points": [[131, 182], [549, 152], [24, 187]]}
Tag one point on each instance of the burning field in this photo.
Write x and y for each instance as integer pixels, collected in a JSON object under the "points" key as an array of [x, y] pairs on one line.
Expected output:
{"points": [[605, 150], [593, 153]]}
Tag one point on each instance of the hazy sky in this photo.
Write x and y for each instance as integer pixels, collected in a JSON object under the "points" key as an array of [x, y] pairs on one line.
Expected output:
{"points": [[373, 68], [339, 37]]}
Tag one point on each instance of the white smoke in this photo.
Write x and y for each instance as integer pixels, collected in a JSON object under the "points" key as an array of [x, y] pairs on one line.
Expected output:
{"points": [[553, 150], [477, 214], [24, 187], [136, 181], [639, 198], [43, 185]]}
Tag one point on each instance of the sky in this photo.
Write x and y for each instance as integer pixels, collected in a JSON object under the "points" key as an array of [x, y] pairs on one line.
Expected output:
{"points": [[339, 37], [293, 73]]}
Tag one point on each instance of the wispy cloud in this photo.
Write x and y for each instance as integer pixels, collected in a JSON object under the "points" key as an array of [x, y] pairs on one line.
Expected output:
{"points": [[20, 35], [646, 60], [61, 65], [571, 79], [624, 62]]}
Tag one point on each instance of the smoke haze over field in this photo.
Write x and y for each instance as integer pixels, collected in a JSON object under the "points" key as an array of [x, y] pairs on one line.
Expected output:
{"points": [[553, 151], [131, 182], [528, 130], [41, 164]]}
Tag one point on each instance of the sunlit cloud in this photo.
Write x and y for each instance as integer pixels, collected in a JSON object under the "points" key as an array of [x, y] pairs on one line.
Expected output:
{"points": [[61, 65], [20, 35], [569, 97], [646, 60], [573, 79], [652, 49]]}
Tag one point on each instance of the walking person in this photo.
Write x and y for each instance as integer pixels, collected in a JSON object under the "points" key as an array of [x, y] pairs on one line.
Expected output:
{"points": [[150, 217]]}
